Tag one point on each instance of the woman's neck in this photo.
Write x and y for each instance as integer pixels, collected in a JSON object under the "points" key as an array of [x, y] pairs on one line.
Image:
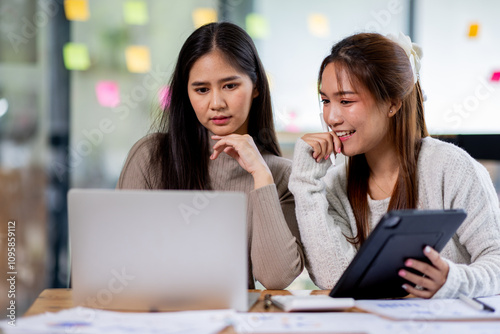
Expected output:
{"points": [[384, 172]]}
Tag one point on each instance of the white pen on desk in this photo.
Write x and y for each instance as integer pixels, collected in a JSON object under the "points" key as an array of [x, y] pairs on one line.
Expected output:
{"points": [[326, 129], [475, 303]]}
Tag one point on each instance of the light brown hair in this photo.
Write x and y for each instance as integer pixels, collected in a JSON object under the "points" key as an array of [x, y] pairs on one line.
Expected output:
{"points": [[383, 68]]}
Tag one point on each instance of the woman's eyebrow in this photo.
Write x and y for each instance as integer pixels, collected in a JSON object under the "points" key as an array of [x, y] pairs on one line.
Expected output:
{"points": [[203, 83], [341, 93]]}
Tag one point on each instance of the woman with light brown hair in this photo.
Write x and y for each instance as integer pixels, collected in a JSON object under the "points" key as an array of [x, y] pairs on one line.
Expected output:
{"points": [[373, 105]]}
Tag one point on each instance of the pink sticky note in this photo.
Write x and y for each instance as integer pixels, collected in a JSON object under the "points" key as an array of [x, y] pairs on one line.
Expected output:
{"points": [[108, 93], [164, 97], [495, 76], [292, 127]]}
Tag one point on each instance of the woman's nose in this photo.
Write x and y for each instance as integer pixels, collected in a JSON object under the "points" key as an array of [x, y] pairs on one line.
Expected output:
{"points": [[332, 116], [217, 100]]}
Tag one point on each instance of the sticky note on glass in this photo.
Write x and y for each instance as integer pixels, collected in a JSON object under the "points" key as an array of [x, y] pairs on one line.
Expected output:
{"points": [[138, 59], [76, 56], [495, 76], [257, 26], [202, 16], [318, 25], [76, 10], [108, 93], [473, 30], [135, 12]]}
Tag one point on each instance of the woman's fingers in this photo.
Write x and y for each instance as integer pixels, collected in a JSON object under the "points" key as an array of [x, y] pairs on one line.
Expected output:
{"points": [[242, 148], [434, 274], [321, 143], [337, 143]]}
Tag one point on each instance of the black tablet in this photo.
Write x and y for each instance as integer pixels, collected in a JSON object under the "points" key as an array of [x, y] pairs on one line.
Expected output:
{"points": [[401, 234]]}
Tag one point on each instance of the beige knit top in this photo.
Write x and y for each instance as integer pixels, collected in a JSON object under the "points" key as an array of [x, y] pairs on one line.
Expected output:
{"points": [[274, 248]]}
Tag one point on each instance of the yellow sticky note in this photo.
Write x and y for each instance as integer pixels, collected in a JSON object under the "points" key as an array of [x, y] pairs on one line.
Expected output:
{"points": [[76, 10], [138, 59], [202, 16], [318, 25], [76, 56], [473, 30], [135, 12], [257, 26]]}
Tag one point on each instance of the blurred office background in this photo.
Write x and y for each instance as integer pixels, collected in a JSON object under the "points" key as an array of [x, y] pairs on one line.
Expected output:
{"points": [[81, 80]]}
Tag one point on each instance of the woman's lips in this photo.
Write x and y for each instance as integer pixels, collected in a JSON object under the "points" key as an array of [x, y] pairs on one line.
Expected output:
{"points": [[220, 120], [344, 135]]}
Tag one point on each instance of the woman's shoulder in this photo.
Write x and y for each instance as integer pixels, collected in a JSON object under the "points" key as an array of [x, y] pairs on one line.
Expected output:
{"points": [[280, 167], [438, 155], [146, 144], [276, 162], [437, 149]]}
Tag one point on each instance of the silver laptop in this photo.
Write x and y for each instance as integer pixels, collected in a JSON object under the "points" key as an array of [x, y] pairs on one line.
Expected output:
{"points": [[158, 250]]}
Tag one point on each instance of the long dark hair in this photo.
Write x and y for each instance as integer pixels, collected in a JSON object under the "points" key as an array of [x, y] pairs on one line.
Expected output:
{"points": [[181, 151], [382, 67]]}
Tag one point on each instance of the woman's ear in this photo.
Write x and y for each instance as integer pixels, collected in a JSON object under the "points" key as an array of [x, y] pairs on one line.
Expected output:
{"points": [[394, 107], [255, 92]]}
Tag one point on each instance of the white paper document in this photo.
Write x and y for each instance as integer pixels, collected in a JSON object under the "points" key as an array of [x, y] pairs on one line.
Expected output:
{"points": [[325, 322], [89, 321], [430, 309], [349, 322]]}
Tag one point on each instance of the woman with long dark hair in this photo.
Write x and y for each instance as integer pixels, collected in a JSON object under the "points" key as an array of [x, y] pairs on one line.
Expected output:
{"points": [[373, 104], [217, 133]]}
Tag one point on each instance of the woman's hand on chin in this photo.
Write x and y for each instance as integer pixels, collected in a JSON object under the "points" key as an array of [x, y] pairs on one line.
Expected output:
{"points": [[323, 144], [242, 148]]}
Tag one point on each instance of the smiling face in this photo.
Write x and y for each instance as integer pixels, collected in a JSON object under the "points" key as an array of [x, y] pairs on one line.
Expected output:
{"points": [[359, 121], [220, 94]]}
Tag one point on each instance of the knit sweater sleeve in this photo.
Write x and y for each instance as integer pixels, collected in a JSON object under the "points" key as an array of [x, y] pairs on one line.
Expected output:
{"points": [[468, 185], [276, 251], [322, 213]]}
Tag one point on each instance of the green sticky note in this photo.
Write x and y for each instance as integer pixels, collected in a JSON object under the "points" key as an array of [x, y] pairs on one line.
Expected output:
{"points": [[257, 26], [135, 12], [76, 56]]}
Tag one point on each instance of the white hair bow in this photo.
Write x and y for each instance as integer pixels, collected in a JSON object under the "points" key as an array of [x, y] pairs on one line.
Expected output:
{"points": [[413, 51]]}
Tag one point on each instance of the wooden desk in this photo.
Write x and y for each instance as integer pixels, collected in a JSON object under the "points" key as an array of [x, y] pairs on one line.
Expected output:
{"points": [[54, 300]]}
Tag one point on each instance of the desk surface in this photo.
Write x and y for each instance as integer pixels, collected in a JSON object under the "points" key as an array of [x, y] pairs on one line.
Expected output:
{"points": [[54, 300]]}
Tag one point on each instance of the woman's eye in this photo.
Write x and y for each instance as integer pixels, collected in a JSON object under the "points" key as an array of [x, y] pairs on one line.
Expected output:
{"points": [[202, 90], [231, 86], [325, 101], [345, 102]]}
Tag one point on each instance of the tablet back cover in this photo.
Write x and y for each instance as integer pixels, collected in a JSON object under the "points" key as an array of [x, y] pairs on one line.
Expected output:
{"points": [[401, 234]]}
